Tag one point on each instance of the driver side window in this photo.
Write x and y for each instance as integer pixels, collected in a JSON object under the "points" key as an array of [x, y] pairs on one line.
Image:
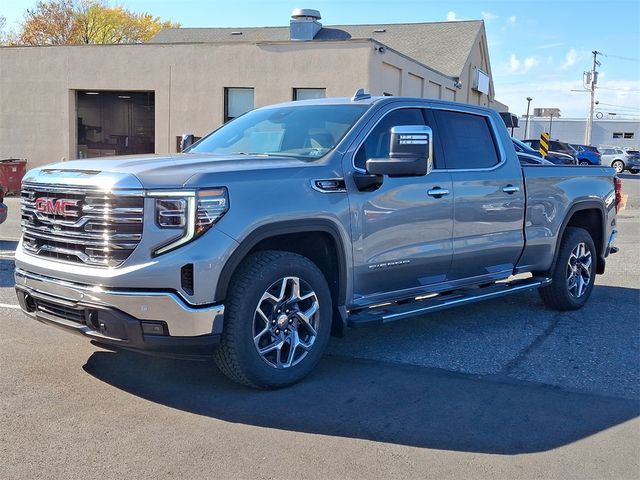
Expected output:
{"points": [[376, 144]]}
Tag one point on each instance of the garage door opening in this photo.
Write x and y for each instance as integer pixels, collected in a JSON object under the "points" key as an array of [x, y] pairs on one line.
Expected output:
{"points": [[115, 123]]}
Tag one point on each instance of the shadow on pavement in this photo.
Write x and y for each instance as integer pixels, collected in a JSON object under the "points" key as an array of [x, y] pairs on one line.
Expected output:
{"points": [[401, 404]]}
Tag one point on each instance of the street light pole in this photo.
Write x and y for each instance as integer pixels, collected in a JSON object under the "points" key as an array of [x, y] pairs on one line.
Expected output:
{"points": [[594, 81], [526, 122], [550, 123]]}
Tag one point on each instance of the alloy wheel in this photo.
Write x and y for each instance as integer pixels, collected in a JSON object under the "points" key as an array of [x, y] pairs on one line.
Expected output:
{"points": [[579, 270], [286, 322]]}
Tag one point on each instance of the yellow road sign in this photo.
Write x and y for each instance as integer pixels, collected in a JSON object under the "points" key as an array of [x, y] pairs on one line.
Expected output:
{"points": [[544, 144]]}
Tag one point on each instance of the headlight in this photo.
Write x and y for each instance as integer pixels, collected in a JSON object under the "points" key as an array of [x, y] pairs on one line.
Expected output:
{"points": [[192, 213]]}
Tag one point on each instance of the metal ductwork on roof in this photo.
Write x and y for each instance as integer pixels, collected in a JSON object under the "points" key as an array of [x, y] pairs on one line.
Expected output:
{"points": [[304, 24]]}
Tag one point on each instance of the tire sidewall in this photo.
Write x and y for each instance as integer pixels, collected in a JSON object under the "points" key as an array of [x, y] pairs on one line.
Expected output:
{"points": [[242, 314]]}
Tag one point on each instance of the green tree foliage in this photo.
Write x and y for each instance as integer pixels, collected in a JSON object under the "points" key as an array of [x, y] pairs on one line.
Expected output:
{"points": [[73, 22]]}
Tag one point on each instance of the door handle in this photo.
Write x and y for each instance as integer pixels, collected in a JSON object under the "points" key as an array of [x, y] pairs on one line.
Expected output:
{"points": [[510, 189], [437, 192]]}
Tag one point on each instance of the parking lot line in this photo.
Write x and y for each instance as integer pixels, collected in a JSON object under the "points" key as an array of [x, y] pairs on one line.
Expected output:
{"points": [[8, 305]]}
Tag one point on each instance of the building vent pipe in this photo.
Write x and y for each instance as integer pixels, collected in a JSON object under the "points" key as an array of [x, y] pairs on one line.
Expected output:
{"points": [[304, 24]]}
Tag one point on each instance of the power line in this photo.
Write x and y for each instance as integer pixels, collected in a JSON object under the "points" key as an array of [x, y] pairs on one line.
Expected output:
{"points": [[630, 59], [630, 90], [620, 106]]}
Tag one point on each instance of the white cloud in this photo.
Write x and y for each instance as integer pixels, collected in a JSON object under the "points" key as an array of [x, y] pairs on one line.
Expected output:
{"points": [[517, 66], [529, 63], [451, 16], [509, 23], [570, 59], [549, 45], [488, 16], [514, 63]]}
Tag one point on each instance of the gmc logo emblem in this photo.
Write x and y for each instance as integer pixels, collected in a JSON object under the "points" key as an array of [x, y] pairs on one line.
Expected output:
{"points": [[53, 206]]}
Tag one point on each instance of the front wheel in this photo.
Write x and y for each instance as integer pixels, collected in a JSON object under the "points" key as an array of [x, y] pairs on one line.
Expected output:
{"points": [[277, 321], [584, 163], [618, 165], [574, 273]]}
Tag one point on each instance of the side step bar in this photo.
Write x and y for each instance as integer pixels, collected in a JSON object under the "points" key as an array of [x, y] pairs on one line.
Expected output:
{"points": [[393, 312]]}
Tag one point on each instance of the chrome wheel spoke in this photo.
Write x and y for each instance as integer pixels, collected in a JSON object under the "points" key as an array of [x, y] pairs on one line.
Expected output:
{"points": [[293, 346], [276, 345], [295, 287], [305, 318], [579, 286]]}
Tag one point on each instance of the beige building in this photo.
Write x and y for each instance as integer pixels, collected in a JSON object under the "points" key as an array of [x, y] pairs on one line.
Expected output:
{"points": [[65, 102]]}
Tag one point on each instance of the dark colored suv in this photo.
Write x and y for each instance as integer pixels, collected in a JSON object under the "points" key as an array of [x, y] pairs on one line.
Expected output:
{"points": [[560, 153]]}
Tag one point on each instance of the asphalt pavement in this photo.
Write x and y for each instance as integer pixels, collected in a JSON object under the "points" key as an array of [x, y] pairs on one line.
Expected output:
{"points": [[501, 389]]}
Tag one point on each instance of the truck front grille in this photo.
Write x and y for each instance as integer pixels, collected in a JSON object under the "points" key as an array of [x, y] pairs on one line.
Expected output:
{"points": [[81, 225]]}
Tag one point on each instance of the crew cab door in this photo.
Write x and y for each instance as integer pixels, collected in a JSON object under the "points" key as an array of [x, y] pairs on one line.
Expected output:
{"points": [[402, 230], [488, 192]]}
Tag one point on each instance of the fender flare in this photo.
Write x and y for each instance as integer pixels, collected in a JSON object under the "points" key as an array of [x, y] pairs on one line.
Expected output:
{"points": [[283, 228], [576, 207]]}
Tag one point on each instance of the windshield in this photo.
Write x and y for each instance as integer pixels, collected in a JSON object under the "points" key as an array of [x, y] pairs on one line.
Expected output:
{"points": [[308, 131]]}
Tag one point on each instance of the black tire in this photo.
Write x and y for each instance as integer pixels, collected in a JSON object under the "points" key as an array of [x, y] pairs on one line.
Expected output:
{"points": [[584, 163], [618, 165], [558, 295], [634, 172], [237, 355]]}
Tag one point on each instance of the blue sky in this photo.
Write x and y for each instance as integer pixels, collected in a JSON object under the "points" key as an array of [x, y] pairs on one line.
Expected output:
{"points": [[537, 49]]}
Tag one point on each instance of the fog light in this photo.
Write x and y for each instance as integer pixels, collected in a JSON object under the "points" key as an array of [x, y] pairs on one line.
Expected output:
{"points": [[155, 328]]}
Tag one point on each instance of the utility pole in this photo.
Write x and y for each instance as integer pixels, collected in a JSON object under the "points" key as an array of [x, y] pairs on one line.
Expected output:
{"points": [[594, 81], [526, 123], [550, 123]]}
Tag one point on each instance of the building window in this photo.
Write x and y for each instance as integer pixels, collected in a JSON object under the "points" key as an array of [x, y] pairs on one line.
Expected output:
{"points": [[617, 135], [628, 134], [237, 101], [309, 93]]}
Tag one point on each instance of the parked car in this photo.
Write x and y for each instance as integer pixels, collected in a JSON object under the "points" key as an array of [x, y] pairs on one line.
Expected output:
{"points": [[554, 157], [586, 154], [620, 159], [294, 221], [562, 156], [3, 207], [528, 159]]}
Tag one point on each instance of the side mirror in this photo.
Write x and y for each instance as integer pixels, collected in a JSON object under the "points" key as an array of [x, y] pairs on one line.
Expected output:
{"points": [[187, 140], [410, 153]]}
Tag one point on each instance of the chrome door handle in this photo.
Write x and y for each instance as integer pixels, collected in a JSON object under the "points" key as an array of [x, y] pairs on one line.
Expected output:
{"points": [[437, 192], [510, 189]]}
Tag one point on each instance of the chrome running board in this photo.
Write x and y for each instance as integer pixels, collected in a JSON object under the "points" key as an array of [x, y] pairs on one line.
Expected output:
{"points": [[395, 311]]}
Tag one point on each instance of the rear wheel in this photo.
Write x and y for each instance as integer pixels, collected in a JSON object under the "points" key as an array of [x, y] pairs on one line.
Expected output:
{"points": [[618, 165], [584, 162], [574, 273], [277, 321]]}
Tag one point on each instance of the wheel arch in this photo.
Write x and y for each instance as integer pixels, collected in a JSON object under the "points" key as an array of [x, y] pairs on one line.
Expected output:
{"points": [[317, 239], [591, 216]]}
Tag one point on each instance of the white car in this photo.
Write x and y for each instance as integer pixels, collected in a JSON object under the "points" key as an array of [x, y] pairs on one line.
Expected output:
{"points": [[620, 159]]}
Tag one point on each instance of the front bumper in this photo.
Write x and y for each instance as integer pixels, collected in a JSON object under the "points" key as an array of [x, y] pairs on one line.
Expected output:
{"points": [[121, 318]]}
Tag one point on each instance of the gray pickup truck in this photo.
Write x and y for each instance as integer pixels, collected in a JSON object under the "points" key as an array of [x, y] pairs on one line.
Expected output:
{"points": [[296, 220]]}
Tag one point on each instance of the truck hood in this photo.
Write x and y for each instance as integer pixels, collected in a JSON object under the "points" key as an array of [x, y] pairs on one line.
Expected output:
{"points": [[152, 171]]}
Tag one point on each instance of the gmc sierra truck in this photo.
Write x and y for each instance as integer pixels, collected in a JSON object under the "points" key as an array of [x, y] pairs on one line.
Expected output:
{"points": [[294, 221]]}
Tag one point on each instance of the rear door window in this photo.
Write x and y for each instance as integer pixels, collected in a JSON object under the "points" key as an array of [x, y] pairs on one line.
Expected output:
{"points": [[466, 139]]}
